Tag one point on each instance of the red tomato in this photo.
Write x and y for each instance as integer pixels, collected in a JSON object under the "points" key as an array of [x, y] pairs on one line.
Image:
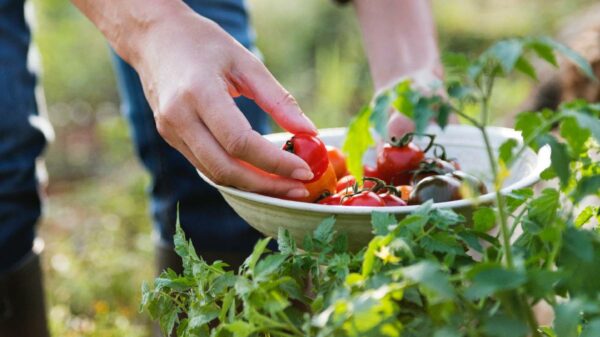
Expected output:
{"points": [[312, 150], [334, 199], [369, 171], [338, 160], [391, 200], [364, 198], [396, 163], [345, 183], [325, 184]]}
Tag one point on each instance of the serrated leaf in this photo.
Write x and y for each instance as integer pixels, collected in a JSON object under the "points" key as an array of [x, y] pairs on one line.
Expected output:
{"points": [[324, 232], [559, 157], [543, 208], [484, 219], [576, 58], [267, 266], [579, 244], [200, 315], [357, 142], [441, 242], [430, 275], [259, 249], [285, 242], [490, 278], [506, 52], [380, 114], [526, 68], [381, 222]]}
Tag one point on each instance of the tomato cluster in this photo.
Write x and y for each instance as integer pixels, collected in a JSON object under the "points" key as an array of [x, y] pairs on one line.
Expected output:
{"points": [[403, 175]]}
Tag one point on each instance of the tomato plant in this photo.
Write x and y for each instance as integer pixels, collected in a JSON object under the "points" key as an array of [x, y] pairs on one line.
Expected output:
{"points": [[434, 272]]}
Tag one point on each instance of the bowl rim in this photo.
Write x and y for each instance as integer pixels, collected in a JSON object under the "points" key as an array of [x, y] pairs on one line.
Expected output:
{"points": [[543, 162]]}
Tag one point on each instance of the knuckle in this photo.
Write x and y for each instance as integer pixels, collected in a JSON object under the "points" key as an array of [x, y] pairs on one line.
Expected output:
{"points": [[239, 144], [221, 174], [286, 99]]}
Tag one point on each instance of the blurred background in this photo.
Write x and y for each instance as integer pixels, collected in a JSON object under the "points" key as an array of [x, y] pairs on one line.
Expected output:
{"points": [[96, 227]]}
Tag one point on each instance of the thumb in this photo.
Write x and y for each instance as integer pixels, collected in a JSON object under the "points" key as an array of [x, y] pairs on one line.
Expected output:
{"points": [[253, 80]]}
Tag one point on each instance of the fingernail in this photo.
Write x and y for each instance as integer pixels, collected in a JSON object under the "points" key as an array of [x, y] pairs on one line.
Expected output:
{"points": [[302, 174], [298, 193]]}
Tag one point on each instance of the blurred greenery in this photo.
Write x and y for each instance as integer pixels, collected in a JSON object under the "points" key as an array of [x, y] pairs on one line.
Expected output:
{"points": [[96, 226]]}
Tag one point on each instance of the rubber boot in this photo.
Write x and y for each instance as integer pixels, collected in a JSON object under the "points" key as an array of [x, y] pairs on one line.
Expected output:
{"points": [[22, 305]]}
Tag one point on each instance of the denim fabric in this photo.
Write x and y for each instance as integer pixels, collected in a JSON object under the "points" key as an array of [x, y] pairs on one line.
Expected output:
{"points": [[205, 217], [20, 142]]}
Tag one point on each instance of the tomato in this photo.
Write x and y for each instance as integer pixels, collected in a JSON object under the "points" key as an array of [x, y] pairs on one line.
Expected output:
{"points": [[404, 191], [432, 166], [439, 188], [391, 200], [476, 186], [396, 164], [334, 199], [338, 160], [364, 198], [345, 183], [369, 171], [312, 150], [325, 184]]}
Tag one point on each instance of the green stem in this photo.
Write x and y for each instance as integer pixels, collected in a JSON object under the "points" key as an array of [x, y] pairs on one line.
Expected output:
{"points": [[530, 316]]}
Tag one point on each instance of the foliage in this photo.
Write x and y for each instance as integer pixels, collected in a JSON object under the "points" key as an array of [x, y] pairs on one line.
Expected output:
{"points": [[432, 273]]}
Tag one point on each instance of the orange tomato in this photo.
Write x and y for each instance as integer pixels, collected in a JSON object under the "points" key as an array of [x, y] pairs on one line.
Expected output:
{"points": [[326, 183], [404, 191], [338, 160]]}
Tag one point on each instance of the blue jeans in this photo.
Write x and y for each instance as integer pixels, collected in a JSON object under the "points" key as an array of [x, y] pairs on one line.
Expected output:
{"points": [[205, 217]]}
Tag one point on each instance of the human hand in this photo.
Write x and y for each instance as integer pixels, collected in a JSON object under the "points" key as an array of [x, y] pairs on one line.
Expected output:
{"points": [[190, 71]]}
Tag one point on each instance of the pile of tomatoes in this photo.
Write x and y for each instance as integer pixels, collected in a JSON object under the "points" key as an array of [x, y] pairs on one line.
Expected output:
{"points": [[403, 174]]}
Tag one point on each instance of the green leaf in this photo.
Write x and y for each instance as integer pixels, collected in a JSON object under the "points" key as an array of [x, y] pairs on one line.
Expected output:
{"points": [[259, 249], [429, 275], [200, 315], [585, 215], [422, 115], [526, 68], [506, 52], [441, 242], [506, 149], [586, 121], [490, 278], [575, 135], [527, 123], [544, 51], [516, 198], [543, 208], [405, 98], [381, 222], [357, 142], [240, 328], [268, 266], [484, 219], [324, 232], [285, 242], [380, 114], [579, 60], [504, 326], [579, 244], [559, 157], [567, 317], [587, 186]]}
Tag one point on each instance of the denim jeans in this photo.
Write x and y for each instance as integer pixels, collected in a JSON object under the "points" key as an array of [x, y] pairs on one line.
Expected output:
{"points": [[204, 216]]}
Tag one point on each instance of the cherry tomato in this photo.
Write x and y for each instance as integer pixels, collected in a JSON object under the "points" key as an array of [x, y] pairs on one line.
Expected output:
{"points": [[325, 184], [432, 166], [364, 198], [473, 183], [395, 164], [404, 191], [345, 183], [369, 171], [391, 200], [334, 200], [438, 188], [312, 150], [338, 160]]}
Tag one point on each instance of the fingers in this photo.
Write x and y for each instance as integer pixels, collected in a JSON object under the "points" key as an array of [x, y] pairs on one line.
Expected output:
{"points": [[225, 170], [255, 81], [399, 125], [236, 137]]}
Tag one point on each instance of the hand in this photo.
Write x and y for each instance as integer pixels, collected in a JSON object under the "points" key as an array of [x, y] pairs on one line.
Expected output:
{"points": [[190, 71]]}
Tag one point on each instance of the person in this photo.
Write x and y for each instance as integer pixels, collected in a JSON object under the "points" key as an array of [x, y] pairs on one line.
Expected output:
{"points": [[197, 97]]}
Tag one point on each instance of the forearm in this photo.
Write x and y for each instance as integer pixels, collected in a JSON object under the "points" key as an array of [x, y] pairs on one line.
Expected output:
{"points": [[125, 23], [399, 38]]}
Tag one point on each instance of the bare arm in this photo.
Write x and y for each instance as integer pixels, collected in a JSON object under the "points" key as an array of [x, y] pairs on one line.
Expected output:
{"points": [[190, 70]]}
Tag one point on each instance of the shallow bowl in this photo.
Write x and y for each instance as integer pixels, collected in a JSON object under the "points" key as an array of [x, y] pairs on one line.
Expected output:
{"points": [[465, 143]]}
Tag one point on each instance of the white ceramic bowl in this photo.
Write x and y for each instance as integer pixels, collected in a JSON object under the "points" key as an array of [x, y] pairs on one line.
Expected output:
{"points": [[464, 143]]}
